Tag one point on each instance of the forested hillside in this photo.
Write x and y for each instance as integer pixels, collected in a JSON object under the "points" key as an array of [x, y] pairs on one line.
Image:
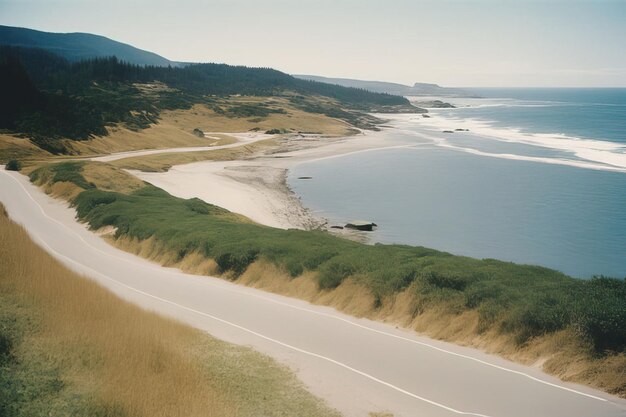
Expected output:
{"points": [[46, 97], [79, 46]]}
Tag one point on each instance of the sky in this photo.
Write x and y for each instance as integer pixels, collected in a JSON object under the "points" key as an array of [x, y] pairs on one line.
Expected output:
{"points": [[471, 43]]}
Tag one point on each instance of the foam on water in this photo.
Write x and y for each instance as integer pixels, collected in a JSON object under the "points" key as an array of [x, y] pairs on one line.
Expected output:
{"points": [[532, 181], [585, 153]]}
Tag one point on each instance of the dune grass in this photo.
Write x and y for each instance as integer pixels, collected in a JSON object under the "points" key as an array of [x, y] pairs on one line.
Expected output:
{"points": [[164, 161], [174, 128], [68, 347], [14, 147], [520, 306]]}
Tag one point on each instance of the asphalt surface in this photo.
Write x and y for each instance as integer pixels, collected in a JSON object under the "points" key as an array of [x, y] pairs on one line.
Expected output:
{"points": [[358, 366]]}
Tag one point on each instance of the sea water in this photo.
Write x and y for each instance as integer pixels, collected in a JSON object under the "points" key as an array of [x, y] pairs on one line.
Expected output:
{"points": [[539, 178]]}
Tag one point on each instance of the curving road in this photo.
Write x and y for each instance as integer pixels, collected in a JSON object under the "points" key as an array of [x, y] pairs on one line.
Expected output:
{"points": [[242, 139], [358, 366]]}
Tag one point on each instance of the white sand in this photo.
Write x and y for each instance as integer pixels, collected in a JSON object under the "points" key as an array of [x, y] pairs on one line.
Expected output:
{"points": [[256, 187], [256, 191]]}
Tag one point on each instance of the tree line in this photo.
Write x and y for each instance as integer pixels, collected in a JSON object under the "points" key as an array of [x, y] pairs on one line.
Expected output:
{"points": [[47, 98]]}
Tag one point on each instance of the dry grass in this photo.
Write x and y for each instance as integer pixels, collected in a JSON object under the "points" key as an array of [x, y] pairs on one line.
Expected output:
{"points": [[12, 147], [64, 190], [165, 134], [123, 360], [107, 178], [294, 119], [164, 161], [102, 175], [558, 353], [175, 127]]}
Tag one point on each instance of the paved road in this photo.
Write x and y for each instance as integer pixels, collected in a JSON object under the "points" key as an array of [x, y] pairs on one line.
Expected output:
{"points": [[242, 139], [357, 365]]}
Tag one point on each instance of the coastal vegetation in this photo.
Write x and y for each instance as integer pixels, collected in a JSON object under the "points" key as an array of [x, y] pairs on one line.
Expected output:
{"points": [[575, 329], [50, 100], [69, 347], [13, 165], [164, 161], [534, 313]]}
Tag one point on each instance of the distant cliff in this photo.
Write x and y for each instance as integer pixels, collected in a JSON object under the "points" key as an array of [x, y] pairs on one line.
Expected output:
{"points": [[418, 89]]}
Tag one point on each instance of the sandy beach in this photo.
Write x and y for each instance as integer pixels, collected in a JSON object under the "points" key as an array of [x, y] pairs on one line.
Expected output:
{"points": [[256, 187]]}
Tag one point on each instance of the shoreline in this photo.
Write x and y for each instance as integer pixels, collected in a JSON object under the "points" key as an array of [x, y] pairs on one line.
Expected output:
{"points": [[286, 158], [309, 372], [257, 187]]}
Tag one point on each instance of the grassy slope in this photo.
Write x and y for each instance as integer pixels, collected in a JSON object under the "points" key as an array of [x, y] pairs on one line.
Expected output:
{"points": [[174, 128], [69, 347], [526, 313], [55, 103], [15, 147], [164, 161]]}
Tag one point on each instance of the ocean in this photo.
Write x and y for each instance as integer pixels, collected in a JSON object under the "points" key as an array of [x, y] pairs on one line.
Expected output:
{"points": [[538, 177]]}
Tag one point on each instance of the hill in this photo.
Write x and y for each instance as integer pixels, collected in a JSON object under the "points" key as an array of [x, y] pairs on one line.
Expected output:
{"points": [[49, 99], [418, 89], [79, 46]]}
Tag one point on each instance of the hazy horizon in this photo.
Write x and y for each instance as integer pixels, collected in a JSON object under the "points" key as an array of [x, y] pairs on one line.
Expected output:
{"points": [[477, 44]]}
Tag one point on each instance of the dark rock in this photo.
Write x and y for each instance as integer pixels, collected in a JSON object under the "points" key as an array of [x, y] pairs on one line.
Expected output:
{"points": [[305, 178], [198, 132], [448, 131], [425, 115], [336, 227], [361, 225], [461, 130]]}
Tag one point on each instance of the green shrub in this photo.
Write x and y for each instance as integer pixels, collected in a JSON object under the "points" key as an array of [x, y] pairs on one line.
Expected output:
{"points": [[197, 205], [13, 165], [236, 261], [87, 201], [332, 274], [63, 172], [450, 280], [601, 315], [483, 291], [294, 267], [545, 315]]}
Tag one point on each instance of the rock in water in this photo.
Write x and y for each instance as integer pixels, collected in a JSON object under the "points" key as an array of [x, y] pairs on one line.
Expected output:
{"points": [[361, 225]]}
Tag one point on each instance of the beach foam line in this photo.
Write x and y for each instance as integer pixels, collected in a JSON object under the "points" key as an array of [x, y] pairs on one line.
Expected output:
{"points": [[589, 153], [442, 143]]}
